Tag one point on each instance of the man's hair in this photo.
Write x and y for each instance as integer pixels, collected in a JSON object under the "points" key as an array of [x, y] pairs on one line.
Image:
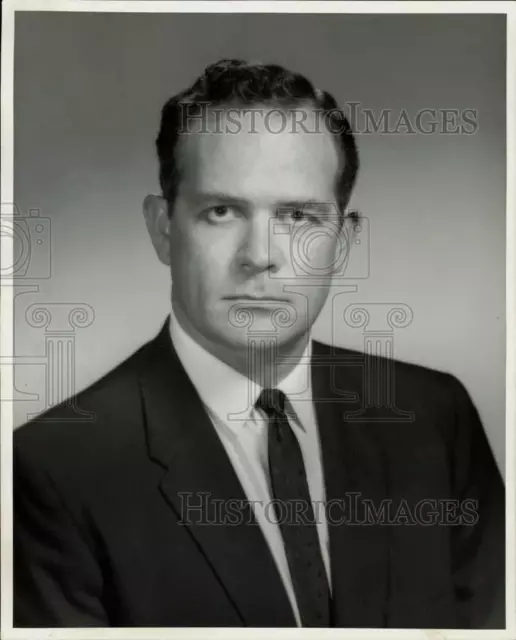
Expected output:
{"points": [[229, 82]]}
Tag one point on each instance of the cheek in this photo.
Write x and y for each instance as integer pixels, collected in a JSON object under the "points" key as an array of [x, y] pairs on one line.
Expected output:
{"points": [[218, 251], [201, 260], [317, 248]]}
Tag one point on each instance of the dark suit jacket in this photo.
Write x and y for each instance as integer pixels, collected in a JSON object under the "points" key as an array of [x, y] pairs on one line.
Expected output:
{"points": [[99, 531]]}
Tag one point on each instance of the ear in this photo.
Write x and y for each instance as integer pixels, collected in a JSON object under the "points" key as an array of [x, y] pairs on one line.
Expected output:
{"points": [[155, 211], [348, 234], [351, 226]]}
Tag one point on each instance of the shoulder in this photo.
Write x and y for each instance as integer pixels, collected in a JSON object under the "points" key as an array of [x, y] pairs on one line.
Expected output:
{"points": [[393, 387], [416, 401], [97, 419], [407, 376]]}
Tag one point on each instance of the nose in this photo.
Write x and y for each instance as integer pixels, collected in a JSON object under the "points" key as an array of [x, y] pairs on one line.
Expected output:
{"points": [[258, 251]]}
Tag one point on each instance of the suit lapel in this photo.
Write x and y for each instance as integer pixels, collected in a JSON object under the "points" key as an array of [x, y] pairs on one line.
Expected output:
{"points": [[354, 469], [198, 472]]}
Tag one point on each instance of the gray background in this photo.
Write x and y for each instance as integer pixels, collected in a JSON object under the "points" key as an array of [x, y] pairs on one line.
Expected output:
{"points": [[88, 94]]}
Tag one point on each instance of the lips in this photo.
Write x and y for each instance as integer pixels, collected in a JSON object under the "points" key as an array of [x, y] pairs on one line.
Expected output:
{"points": [[255, 298]]}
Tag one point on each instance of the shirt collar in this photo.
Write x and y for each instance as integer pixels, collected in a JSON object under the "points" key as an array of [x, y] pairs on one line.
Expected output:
{"points": [[224, 390]]}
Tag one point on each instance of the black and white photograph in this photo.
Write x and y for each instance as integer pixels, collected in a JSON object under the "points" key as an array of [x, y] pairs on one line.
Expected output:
{"points": [[257, 345]]}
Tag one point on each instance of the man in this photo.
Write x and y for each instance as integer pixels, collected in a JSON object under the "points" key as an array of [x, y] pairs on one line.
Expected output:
{"points": [[233, 474]]}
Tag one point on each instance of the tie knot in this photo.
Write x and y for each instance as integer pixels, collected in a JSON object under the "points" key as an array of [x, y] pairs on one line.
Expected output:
{"points": [[271, 401]]}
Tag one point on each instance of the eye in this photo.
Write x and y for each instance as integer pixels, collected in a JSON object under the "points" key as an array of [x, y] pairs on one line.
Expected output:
{"points": [[298, 214], [221, 213], [293, 213], [306, 214]]}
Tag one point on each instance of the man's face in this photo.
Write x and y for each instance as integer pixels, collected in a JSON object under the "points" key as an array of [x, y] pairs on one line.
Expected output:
{"points": [[253, 229]]}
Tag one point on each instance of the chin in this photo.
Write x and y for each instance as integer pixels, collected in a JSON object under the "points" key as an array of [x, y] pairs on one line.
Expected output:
{"points": [[245, 327], [259, 338]]}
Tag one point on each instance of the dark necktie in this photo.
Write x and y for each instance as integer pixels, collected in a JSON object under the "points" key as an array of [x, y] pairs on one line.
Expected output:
{"points": [[295, 513]]}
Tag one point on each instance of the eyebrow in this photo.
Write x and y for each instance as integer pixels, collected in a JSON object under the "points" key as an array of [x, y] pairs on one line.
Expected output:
{"points": [[299, 204], [219, 196], [284, 204]]}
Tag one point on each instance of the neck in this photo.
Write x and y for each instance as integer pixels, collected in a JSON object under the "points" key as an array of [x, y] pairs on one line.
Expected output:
{"points": [[265, 365]]}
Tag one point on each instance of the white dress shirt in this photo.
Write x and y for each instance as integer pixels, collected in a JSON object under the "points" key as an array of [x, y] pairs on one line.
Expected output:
{"points": [[229, 399]]}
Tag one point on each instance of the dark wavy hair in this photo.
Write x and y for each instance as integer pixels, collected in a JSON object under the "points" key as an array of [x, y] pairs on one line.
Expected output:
{"points": [[230, 82]]}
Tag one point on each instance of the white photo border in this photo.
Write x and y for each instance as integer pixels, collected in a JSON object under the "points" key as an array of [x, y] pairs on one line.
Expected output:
{"points": [[9, 9]]}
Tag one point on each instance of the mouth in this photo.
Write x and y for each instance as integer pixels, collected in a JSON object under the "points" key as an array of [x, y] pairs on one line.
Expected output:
{"points": [[249, 298]]}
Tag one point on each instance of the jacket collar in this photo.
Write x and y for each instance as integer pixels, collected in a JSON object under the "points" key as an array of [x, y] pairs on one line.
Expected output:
{"points": [[226, 392]]}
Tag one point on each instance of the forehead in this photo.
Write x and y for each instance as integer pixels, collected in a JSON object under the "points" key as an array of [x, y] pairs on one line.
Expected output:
{"points": [[263, 151]]}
